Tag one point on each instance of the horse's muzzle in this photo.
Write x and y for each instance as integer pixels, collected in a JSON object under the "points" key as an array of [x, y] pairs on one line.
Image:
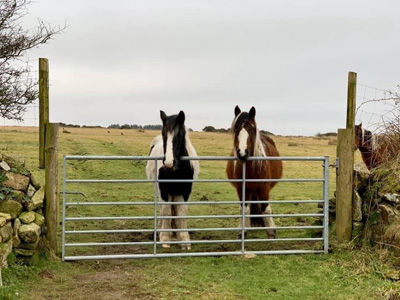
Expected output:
{"points": [[242, 157], [169, 167]]}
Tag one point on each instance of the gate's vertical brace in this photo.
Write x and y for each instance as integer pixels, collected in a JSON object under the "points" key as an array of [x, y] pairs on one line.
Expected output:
{"points": [[64, 206], [243, 204], [326, 204], [155, 205]]}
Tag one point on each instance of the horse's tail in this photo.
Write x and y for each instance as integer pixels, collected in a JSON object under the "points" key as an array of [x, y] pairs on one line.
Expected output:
{"points": [[256, 209]]}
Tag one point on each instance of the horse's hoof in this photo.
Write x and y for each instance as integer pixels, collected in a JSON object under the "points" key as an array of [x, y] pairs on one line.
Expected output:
{"points": [[271, 234], [186, 247], [166, 246], [240, 235]]}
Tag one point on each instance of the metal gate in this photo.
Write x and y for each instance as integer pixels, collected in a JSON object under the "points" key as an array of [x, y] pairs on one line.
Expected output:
{"points": [[140, 239]]}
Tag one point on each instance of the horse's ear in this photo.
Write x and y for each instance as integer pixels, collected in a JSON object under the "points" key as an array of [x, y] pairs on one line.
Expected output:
{"points": [[163, 116], [252, 113], [181, 118], [237, 110]]}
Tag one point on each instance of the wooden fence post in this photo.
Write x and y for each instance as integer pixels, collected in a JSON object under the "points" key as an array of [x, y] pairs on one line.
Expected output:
{"points": [[43, 107], [345, 153], [51, 184]]}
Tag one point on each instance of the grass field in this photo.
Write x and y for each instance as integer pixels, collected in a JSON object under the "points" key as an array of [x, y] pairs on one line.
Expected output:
{"points": [[340, 275]]}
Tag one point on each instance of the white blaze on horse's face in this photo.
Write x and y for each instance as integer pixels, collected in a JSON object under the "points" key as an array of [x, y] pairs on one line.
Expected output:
{"points": [[169, 152], [242, 138]]}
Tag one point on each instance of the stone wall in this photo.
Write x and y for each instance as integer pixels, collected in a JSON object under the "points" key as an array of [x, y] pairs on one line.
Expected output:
{"points": [[21, 209], [376, 201]]}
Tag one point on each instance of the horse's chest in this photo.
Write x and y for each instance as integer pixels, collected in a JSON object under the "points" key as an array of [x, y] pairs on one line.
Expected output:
{"points": [[175, 188]]}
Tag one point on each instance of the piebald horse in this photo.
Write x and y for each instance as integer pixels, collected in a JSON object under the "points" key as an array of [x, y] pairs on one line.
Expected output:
{"points": [[248, 141], [172, 144]]}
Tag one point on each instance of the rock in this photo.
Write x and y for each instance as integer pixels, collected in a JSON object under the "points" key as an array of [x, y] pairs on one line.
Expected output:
{"points": [[14, 160], [393, 198], [35, 182], [29, 233], [17, 223], [4, 166], [29, 246], [24, 252], [11, 207], [15, 241], [3, 221], [39, 220], [6, 216], [16, 196], [31, 191], [361, 176], [357, 205], [27, 217], [6, 232], [5, 250], [16, 181], [387, 213], [37, 200]]}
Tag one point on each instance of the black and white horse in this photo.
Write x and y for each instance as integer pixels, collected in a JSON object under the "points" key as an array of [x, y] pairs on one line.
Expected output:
{"points": [[172, 145]]}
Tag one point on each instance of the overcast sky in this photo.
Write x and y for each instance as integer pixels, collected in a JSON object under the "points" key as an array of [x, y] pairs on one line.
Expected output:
{"points": [[123, 61]]}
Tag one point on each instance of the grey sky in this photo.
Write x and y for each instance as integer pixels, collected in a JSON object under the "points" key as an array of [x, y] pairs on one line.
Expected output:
{"points": [[123, 61]]}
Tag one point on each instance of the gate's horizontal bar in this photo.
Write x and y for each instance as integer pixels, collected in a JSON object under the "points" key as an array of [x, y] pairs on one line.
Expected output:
{"points": [[190, 229], [186, 254], [191, 217], [109, 231], [103, 157], [191, 180], [192, 202], [191, 242]]}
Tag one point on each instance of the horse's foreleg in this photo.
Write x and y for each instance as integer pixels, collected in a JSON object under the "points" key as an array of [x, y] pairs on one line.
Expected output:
{"points": [[269, 221], [181, 223], [165, 224]]}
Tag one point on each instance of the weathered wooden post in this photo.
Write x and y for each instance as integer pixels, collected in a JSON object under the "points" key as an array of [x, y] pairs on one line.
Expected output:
{"points": [[51, 184], [43, 107], [345, 154]]}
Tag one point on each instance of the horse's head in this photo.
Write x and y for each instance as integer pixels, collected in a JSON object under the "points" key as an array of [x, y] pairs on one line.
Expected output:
{"points": [[173, 133], [362, 138], [358, 136], [244, 130]]}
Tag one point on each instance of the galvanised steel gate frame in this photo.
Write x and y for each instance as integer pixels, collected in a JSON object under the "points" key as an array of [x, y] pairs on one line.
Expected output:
{"points": [[156, 202]]}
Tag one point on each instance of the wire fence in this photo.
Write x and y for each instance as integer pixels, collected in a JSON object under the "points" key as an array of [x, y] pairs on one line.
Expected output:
{"points": [[377, 107], [31, 117]]}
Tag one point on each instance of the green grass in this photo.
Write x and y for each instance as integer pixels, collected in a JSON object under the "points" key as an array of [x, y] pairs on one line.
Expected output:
{"points": [[343, 274]]}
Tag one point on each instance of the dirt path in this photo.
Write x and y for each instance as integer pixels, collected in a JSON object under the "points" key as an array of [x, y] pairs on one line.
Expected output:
{"points": [[102, 281]]}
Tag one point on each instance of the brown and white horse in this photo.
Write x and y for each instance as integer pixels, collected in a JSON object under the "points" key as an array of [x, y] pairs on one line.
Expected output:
{"points": [[172, 144], [372, 152], [247, 141]]}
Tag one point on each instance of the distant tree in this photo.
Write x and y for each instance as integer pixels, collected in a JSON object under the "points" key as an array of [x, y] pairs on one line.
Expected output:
{"points": [[152, 127], [116, 126], [209, 129], [17, 89], [126, 126]]}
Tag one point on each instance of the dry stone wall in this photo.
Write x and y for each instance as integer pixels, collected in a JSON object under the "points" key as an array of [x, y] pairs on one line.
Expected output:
{"points": [[21, 209]]}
